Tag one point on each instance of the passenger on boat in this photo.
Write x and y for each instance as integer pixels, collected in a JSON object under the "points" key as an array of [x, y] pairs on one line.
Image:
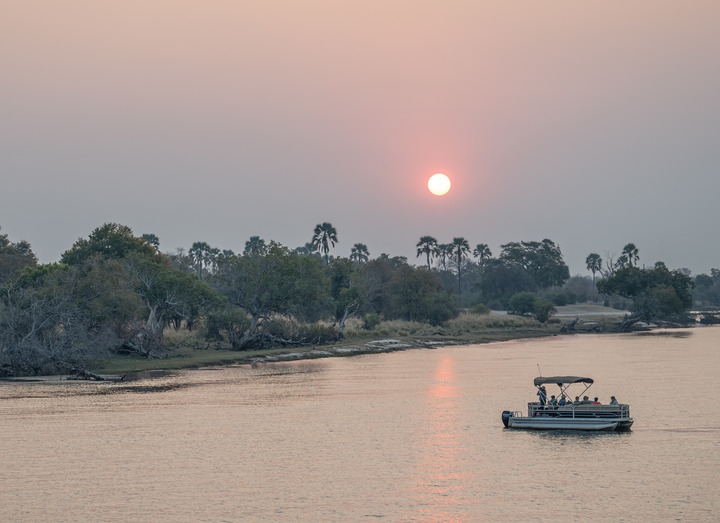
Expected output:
{"points": [[586, 400], [562, 401], [553, 402], [613, 401], [596, 402], [577, 400], [542, 394]]}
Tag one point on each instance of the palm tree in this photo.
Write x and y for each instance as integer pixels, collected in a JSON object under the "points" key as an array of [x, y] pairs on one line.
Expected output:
{"points": [[442, 251], [632, 254], [323, 238], [593, 262], [200, 253], [255, 246], [359, 253], [483, 252], [427, 246], [460, 251]]}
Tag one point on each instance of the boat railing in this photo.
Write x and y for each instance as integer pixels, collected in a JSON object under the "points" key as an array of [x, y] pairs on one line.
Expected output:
{"points": [[584, 409]]}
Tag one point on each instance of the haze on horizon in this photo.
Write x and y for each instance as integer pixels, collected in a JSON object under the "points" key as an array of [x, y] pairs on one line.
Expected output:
{"points": [[588, 123]]}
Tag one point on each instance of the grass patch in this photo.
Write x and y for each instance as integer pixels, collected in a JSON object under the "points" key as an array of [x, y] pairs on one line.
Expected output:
{"points": [[188, 349]]}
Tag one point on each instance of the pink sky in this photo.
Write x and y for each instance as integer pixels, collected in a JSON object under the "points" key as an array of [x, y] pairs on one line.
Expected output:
{"points": [[590, 123]]}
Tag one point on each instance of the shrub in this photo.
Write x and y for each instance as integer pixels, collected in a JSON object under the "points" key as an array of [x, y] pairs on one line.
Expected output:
{"points": [[371, 320], [480, 308]]}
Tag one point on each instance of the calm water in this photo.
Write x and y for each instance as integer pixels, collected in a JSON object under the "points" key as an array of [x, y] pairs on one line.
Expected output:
{"points": [[407, 436]]}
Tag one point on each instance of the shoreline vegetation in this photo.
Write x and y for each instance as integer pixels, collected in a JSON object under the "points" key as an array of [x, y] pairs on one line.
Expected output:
{"points": [[185, 351], [115, 304]]}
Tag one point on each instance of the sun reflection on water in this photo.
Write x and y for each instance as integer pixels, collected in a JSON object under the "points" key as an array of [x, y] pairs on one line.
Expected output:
{"points": [[445, 479]]}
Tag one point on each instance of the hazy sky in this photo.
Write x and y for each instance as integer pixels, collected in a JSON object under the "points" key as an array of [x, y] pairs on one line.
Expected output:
{"points": [[592, 123]]}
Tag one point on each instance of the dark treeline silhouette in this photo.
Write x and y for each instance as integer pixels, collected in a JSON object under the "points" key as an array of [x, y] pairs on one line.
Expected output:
{"points": [[116, 293]]}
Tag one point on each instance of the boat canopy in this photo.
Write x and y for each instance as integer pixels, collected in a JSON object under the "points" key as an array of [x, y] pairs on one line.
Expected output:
{"points": [[560, 380]]}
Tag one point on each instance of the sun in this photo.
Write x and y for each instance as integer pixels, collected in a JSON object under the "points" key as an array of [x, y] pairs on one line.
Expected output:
{"points": [[439, 184]]}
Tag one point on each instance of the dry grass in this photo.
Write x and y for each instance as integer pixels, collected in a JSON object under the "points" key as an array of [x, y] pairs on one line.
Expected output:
{"points": [[187, 349]]}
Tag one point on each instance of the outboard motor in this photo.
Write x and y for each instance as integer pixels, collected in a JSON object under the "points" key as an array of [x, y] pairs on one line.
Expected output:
{"points": [[506, 415]]}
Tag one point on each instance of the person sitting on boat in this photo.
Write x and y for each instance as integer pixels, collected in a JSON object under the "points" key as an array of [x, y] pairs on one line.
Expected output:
{"points": [[596, 401], [553, 401], [577, 400], [586, 400], [562, 401], [613, 401], [542, 394]]}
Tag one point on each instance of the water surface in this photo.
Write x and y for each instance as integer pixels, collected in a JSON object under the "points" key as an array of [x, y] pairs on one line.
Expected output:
{"points": [[405, 436]]}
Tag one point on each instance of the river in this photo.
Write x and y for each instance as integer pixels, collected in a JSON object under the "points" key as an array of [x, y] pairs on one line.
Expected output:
{"points": [[413, 436]]}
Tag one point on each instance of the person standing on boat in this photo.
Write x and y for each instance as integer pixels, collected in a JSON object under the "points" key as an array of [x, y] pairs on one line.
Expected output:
{"points": [[542, 394]]}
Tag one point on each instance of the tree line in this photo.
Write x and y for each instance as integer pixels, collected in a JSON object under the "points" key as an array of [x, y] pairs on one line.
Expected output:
{"points": [[115, 293]]}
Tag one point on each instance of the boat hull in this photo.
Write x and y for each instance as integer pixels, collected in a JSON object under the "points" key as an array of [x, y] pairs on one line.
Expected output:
{"points": [[511, 421], [562, 424]]}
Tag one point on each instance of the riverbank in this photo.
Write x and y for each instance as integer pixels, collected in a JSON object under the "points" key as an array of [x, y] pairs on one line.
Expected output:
{"points": [[467, 329]]}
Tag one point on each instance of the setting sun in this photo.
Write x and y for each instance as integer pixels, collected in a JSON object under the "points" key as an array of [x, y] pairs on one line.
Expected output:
{"points": [[439, 184]]}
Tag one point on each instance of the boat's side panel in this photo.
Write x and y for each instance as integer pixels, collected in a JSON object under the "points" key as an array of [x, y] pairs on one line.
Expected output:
{"points": [[561, 424]]}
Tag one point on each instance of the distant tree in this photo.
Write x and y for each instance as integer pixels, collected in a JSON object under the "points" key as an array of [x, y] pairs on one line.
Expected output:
{"points": [[168, 295], [202, 255], [593, 262], [307, 250], [255, 246], [359, 253], [631, 254], [417, 295], [483, 252], [460, 251], [14, 257], [280, 283], [152, 240], [655, 293], [109, 241], [427, 246], [522, 303], [324, 236], [543, 310], [444, 251], [543, 261]]}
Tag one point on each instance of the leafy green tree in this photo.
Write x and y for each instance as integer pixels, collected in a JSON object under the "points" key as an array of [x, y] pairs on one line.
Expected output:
{"points": [[359, 253], [109, 241], [280, 283], [543, 261], [501, 280], [255, 246], [14, 257], [55, 317], [416, 294], [460, 251], [324, 236], [427, 246], [522, 303], [168, 295], [152, 239], [543, 310], [655, 293]]}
